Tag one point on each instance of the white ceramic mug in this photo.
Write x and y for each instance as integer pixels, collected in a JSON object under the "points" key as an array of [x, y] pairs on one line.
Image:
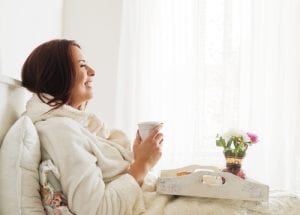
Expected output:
{"points": [[146, 127]]}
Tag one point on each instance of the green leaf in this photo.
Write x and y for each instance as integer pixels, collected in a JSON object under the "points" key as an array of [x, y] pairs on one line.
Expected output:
{"points": [[229, 142], [220, 142]]}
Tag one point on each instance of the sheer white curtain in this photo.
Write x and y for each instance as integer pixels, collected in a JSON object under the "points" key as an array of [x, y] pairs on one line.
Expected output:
{"points": [[206, 66]]}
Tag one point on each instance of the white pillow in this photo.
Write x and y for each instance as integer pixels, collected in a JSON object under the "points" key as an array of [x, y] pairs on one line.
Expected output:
{"points": [[19, 161]]}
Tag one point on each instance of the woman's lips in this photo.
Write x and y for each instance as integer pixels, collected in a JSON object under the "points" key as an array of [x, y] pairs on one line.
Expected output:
{"points": [[88, 83]]}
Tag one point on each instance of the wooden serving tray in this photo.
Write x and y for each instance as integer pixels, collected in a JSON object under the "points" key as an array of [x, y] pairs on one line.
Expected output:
{"points": [[209, 181]]}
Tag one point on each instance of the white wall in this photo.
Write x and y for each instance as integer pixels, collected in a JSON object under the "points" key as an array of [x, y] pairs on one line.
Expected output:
{"points": [[23, 26], [95, 25]]}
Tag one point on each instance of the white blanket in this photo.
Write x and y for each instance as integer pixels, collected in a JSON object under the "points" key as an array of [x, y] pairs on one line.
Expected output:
{"points": [[280, 202]]}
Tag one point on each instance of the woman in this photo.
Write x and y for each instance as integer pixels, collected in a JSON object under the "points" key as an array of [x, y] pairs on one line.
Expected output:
{"points": [[99, 173]]}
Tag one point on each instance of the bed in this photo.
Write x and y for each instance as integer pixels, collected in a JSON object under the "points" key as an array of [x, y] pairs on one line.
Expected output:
{"points": [[17, 197], [19, 153], [13, 98]]}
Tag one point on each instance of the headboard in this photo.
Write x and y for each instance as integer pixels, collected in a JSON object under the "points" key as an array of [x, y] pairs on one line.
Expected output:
{"points": [[13, 98]]}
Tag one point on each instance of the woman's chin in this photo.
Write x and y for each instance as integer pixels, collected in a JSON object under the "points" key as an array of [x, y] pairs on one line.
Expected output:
{"points": [[91, 95]]}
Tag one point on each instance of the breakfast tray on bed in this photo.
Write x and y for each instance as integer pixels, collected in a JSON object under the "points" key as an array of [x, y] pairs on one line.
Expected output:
{"points": [[209, 181]]}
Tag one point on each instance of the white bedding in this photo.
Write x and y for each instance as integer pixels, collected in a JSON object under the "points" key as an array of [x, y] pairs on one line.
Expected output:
{"points": [[280, 202]]}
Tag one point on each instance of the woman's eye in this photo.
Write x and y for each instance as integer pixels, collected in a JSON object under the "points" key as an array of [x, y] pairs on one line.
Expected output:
{"points": [[82, 65]]}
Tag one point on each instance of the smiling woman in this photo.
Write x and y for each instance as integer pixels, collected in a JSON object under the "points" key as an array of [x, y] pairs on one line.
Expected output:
{"points": [[94, 162], [44, 72], [53, 69], [82, 91]]}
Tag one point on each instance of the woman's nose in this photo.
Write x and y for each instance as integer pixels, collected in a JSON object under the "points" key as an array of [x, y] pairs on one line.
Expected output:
{"points": [[91, 71]]}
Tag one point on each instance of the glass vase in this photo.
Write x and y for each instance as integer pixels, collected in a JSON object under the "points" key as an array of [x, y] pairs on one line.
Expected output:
{"points": [[234, 165]]}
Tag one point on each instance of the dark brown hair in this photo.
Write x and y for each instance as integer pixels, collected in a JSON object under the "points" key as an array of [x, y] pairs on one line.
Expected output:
{"points": [[50, 69]]}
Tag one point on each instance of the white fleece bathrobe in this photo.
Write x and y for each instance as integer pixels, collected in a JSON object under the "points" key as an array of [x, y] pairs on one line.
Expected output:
{"points": [[92, 161]]}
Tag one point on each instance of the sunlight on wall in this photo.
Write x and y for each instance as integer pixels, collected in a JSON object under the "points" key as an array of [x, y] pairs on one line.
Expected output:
{"points": [[23, 26]]}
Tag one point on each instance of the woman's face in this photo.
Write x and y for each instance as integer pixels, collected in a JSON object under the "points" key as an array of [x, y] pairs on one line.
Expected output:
{"points": [[82, 90]]}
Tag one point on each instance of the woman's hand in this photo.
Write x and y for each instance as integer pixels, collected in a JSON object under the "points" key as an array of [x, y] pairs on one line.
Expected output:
{"points": [[146, 154]]}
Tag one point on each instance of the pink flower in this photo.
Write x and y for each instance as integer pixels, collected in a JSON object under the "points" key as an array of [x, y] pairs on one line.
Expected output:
{"points": [[241, 174], [253, 137]]}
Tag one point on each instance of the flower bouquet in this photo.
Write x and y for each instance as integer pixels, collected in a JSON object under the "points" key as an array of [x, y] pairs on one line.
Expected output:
{"points": [[235, 144]]}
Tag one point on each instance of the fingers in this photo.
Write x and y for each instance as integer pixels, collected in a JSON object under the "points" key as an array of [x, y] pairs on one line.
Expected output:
{"points": [[161, 142], [156, 140], [155, 137], [155, 130], [138, 139], [159, 138], [138, 136]]}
